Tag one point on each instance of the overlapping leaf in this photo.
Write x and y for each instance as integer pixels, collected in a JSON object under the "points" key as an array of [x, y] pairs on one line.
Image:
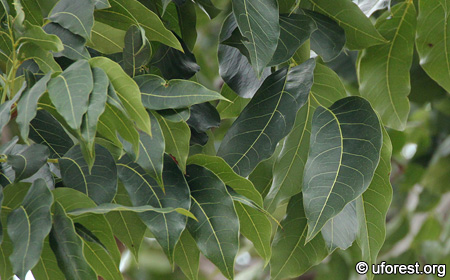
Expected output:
{"points": [[217, 229], [258, 21], [344, 151], [42, 57], [106, 39], [187, 255], [35, 34], [268, 117], [288, 168], [28, 226], [73, 44], [47, 267], [137, 50], [233, 107], [388, 65], [76, 16], [27, 160]]}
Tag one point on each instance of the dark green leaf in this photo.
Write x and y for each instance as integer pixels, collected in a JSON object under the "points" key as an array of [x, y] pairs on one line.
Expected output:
{"points": [[175, 64], [387, 66], [342, 137], [158, 94], [268, 117], [68, 247], [127, 91], [143, 191], [32, 12], [329, 38], [372, 208], [27, 105], [359, 30], [294, 31], [258, 21], [28, 161], [100, 184], [217, 229], [187, 255], [176, 115], [137, 50], [28, 226], [73, 44], [204, 116], [208, 7], [187, 19], [124, 13], [76, 16], [5, 112], [47, 267], [291, 257], [46, 130], [69, 92]]}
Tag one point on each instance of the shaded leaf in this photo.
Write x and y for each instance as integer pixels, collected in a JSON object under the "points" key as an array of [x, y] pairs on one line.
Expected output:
{"points": [[69, 92], [28, 226], [99, 183], [47, 266], [258, 22], [76, 16], [187, 255], [217, 229], [137, 50], [344, 151], [73, 44], [5, 111], [112, 207], [176, 115], [387, 66], [28, 161], [204, 116], [268, 117]]}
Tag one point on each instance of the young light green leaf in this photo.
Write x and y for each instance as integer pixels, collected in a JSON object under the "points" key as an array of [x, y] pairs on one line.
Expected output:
{"points": [[359, 30], [291, 257], [187, 255], [258, 22], [106, 39], [217, 229], [268, 117], [28, 226], [27, 106], [143, 191], [342, 137], [222, 170], [68, 247], [124, 13], [432, 40], [388, 65], [288, 167], [99, 183], [176, 135], [70, 91], [127, 90], [137, 50], [372, 208], [159, 94], [76, 16]]}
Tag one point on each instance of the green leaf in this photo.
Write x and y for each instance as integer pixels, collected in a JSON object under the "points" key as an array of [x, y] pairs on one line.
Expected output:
{"points": [[258, 22], [69, 92], [106, 39], [112, 207], [187, 22], [268, 117], [432, 40], [340, 231], [47, 267], [46, 130], [96, 107], [387, 66], [176, 115], [291, 257], [159, 94], [329, 38], [372, 207], [102, 4], [137, 50], [222, 170], [208, 7], [124, 13], [43, 58], [217, 229], [143, 191], [101, 261], [99, 183], [28, 161], [35, 34], [233, 107], [68, 247], [359, 30], [126, 225], [5, 111], [204, 117], [127, 90], [73, 44], [187, 255], [176, 135], [344, 151], [28, 226], [32, 12], [288, 168], [27, 106], [76, 16], [294, 31]]}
